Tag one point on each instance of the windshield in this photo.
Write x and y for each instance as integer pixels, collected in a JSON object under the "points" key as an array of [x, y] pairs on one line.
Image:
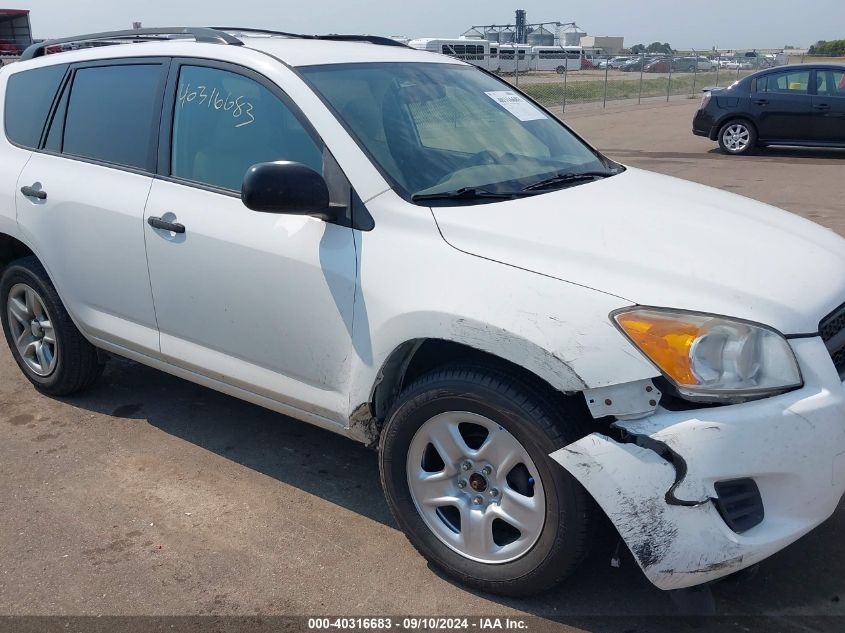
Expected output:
{"points": [[451, 129]]}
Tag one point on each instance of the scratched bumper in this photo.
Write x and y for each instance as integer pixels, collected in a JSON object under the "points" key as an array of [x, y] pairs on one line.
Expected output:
{"points": [[792, 445]]}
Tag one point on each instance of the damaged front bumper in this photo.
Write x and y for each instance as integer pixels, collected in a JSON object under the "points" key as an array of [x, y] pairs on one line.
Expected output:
{"points": [[792, 446]]}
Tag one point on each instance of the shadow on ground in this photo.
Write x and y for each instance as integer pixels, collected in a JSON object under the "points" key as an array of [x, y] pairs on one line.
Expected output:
{"points": [[782, 155], [806, 579]]}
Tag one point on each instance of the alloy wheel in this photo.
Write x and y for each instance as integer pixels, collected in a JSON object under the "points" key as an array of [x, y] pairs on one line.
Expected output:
{"points": [[736, 137], [476, 487], [32, 329]]}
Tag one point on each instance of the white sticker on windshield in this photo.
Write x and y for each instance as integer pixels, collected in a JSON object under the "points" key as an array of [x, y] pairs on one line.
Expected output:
{"points": [[516, 105]]}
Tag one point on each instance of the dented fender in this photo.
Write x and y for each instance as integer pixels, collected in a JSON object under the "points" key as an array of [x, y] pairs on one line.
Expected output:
{"points": [[655, 477]]}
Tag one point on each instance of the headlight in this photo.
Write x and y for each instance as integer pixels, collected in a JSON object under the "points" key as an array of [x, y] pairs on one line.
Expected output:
{"points": [[711, 358]]}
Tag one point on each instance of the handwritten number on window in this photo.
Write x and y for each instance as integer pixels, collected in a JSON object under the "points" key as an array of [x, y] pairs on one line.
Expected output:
{"points": [[238, 107]]}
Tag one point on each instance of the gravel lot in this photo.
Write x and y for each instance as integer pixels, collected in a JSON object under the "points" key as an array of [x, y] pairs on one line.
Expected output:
{"points": [[152, 496]]}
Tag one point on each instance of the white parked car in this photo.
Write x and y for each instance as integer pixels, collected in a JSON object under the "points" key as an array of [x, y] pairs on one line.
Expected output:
{"points": [[705, 64], [396, 246]]}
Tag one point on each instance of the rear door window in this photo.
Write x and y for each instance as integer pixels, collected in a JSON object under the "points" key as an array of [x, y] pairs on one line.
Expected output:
{"points": [[29, 96], [791, 82], [112, 115]]}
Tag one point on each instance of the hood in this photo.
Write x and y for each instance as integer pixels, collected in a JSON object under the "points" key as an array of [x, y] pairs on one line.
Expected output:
{"points": [[660, 241]]}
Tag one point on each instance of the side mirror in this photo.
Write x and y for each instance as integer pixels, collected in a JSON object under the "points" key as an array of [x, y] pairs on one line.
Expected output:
{"points": [[285, 187]]}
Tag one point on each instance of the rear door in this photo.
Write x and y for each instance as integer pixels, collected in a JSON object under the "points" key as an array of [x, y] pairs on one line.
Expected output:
{"points": [[829, 106], [94, 171], [26, 98], [782, 106]]}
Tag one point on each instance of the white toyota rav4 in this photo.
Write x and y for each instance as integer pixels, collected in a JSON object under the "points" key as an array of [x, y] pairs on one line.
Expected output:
{"points": [[399, 247]]}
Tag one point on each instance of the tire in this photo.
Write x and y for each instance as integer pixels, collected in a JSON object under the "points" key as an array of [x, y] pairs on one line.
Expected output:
{"points": [[66, 366], [738, 137], [554, 538], [560, 70]]}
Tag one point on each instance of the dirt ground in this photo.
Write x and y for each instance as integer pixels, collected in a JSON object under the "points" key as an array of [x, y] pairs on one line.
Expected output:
{"points": [[152, 496]]}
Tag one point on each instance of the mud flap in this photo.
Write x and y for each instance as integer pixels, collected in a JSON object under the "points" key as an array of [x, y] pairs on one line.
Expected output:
{"points": [[676, 546]]}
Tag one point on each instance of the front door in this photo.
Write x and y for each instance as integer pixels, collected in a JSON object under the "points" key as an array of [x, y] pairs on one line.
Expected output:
{"points": [[829, 106], [257, 300]]}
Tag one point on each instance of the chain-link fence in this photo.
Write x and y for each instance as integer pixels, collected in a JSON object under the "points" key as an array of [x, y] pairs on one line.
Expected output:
{"points": [[559, 78]]}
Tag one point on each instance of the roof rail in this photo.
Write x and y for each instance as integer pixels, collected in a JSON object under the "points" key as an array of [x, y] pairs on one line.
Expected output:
{"points": [[372, 39], [206, 35]]}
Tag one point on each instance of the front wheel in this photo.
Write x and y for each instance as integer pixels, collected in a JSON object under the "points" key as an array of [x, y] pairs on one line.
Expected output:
{"points": [[466, 470], [738, 137]]}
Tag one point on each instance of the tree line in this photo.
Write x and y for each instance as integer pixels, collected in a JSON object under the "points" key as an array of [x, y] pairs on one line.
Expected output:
{"points": [[654, 47], [834, 48]]}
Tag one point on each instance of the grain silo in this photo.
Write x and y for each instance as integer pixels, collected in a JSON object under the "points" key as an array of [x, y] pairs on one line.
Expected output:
{"points": [[571, 35], [541, 37]]}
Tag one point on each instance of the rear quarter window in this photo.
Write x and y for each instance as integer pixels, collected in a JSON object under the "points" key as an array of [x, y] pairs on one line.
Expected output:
{"points": [[29, 96]]}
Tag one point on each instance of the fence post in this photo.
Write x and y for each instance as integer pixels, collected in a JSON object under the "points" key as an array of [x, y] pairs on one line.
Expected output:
{"points": [[642, 69], [606, 71], [694, 72], [669, 83], [565, 75], [718, 67]]}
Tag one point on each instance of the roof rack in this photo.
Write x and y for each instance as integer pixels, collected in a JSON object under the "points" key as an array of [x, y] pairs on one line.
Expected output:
{"points": [[206, 35], [372, 39]]}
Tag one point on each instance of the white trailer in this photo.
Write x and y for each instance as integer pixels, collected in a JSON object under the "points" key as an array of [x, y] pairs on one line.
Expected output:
{"points": [[514, 58], [470, 50], [555, 58]]}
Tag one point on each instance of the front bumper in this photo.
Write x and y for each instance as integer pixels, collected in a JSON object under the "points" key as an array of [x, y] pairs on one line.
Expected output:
{"points": [[792, 445]]}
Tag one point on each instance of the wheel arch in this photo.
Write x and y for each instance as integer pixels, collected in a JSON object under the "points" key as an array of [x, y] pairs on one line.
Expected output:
{"points": [[11, 248], [416, 357]]}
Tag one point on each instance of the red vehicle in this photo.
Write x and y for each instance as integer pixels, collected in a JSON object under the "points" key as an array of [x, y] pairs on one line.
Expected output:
{"points": [[658, 66]]}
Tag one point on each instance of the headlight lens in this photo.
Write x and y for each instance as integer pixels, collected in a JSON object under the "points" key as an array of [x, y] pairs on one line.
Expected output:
{"points": [[712, 358]]}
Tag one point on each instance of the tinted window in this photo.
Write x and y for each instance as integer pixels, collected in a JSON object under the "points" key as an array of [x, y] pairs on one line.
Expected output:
{"points": [[29, 95], [794, 81], [224, 123], [113, 113], [830, 83], [438, 127]]}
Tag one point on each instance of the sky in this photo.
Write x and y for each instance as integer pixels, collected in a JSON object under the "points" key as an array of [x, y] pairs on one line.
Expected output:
{"points": [[683, 24]]}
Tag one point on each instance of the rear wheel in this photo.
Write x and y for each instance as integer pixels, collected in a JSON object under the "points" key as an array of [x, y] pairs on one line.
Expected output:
{"points": [[466, 469], [45, 343], [738, 137]]}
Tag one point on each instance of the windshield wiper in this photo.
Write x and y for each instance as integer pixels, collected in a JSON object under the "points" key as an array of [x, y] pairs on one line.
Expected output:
{"points": [[470, 193], [565, 179]]}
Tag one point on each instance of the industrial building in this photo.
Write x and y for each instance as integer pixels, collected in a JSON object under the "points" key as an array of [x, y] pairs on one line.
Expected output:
{"points": [[554, 33], [608, 45]]}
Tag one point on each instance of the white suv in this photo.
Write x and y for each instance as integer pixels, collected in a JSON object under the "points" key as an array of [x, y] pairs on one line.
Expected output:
{"points": [[401, 248]]}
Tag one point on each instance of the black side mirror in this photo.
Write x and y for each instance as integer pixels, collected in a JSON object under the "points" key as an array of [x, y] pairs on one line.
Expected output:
{"points": [[285, 187]]}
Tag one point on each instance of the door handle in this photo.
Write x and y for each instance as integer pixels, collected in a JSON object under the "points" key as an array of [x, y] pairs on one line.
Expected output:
{"points": [[31, 192], [761, 102], [158, 223], [821, 106]]}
